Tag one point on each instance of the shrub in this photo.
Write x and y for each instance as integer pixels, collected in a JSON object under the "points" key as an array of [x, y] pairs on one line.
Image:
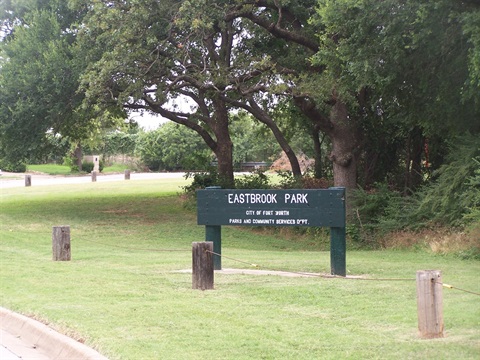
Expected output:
{"points": [[87, 166], [255, 180], [16, 166]]}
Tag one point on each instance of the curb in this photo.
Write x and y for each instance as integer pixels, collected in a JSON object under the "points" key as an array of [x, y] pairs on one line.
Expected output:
{"points": [[42, 339]]}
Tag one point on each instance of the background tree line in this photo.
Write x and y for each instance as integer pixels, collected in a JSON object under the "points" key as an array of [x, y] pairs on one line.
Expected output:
{"points": [[384, 90]]}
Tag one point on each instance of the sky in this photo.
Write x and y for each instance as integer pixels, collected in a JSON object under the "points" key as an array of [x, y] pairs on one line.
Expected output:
{"points": [[148, 121]]}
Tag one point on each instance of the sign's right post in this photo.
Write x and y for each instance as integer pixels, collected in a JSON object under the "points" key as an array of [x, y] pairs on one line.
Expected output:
{"points": [[338, 247], [338, 250]]}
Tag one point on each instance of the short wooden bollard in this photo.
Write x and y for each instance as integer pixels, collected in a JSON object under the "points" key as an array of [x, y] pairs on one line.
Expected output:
{"points": [[94, 176], [127, 174], [61, 243], [202, 265], [430, 304], [28, 180]]}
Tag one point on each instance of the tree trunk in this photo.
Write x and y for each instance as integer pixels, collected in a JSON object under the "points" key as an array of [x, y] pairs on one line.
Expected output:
{"points": [[265, 118], [224, 148], [78, 155], [317, 147], [343, 134], [344, 143], [413, 166]]}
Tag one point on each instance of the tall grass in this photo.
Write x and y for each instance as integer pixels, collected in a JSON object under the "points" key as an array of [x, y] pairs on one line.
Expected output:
{"points": [[122, 292]]}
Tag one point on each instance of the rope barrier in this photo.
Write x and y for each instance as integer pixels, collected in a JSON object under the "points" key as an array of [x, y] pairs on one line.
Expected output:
{"points": [[329, 276], [341, 277], [456, 288], [448, 286], [134, 248]]}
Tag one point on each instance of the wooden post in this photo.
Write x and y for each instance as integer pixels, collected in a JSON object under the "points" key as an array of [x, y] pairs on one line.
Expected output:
{"points": [[94, 176], [430, 304], [61, 243], [202, 265], [28, 180], [127, 174]]}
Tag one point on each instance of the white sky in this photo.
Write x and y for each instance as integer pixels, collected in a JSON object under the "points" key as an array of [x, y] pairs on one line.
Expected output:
{"points": [[148, 121]]}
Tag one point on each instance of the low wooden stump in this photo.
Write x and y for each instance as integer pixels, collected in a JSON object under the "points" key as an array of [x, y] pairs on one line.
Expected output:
{"points": [[202, 265], [127, 174], [61, 243], [94, 176], [430, 304], [28, 180]]}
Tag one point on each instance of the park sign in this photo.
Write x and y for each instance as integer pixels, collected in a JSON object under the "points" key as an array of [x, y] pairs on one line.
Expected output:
{"points": [[294, 207], [272, 207]]}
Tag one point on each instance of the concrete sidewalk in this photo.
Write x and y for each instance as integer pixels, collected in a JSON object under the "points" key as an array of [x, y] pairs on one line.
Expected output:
{"points": [[24, 338]]}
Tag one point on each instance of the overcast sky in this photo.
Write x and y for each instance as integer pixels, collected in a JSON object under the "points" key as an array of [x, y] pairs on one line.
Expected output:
{"points": [[148, 121]]}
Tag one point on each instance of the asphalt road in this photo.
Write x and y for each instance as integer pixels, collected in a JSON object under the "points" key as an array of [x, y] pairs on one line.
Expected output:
{"points": [[9, 180]]}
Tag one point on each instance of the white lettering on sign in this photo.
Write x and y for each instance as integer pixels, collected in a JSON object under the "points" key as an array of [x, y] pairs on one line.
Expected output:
{"points": [[285, 222], [263, 221], [250, 198], [234, 221], [296, 198], [282, 212]]}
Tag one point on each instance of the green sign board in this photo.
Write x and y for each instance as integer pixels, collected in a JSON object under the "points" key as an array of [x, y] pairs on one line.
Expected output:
{"points": [[217, 207], [272, 207]]}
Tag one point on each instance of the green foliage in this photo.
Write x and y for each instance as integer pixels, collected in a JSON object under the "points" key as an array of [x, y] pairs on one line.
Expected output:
{"points": [[447, 199], [172, 147], [288, 180], [13, 166], [451, 199], [370, 208], [388, 74], [471, 195], [71, 162], [252, 141], [88, 166], [254, 180]]}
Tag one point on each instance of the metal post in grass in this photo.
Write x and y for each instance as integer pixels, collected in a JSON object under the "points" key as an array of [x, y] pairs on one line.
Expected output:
{"points": [[430, 304], [338, 242], [213, 233], [28, 180], [127, 174], [94, 176], [202, 265], [61, 243], [338, 250]]}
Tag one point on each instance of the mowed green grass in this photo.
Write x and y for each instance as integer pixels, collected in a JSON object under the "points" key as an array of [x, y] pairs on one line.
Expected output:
{"points": [[123, 295]]}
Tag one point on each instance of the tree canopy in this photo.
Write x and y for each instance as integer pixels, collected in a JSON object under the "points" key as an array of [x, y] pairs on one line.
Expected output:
{"points": [[384, 84]]}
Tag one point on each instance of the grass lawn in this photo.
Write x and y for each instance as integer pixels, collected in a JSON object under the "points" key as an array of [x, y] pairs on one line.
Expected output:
{"points": [[51, 169], [122, 294]]}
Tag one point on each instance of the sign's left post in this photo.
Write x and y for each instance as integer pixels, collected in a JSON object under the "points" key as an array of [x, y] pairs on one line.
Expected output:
{"points": [[213, 233]]}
